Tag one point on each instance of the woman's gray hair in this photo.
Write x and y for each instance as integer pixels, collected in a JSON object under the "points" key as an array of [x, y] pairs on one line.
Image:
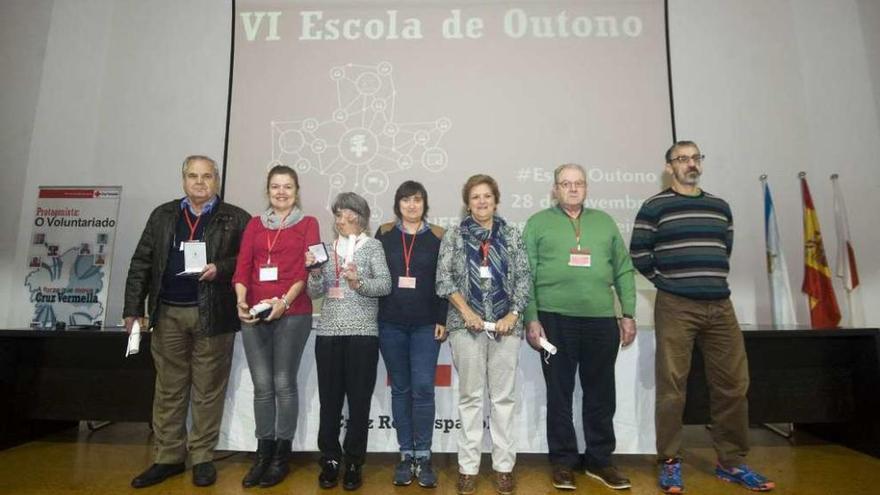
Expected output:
{"points": [[355, 203]]}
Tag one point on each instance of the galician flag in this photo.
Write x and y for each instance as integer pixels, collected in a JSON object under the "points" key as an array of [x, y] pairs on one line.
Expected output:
{"points": [[846, 259], [781, 300], [824, 312]]}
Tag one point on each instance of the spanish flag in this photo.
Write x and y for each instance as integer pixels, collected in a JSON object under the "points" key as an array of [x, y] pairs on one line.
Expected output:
{"points": [[824, 312]]}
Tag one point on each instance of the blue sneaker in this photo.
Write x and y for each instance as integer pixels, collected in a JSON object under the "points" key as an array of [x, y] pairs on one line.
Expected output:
{"points": [[670, 476], [403, 472], [744, 476], [425, 472]]}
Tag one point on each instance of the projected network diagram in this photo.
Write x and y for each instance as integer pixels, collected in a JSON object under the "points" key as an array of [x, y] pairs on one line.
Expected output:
{"points": [[361, 144]]}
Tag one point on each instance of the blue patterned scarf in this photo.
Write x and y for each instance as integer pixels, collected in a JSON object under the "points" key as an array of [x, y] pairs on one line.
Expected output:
{"points": [[473, 235]]}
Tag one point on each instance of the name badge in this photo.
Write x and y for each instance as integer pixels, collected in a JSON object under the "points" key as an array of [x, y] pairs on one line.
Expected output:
{"points": [[579, 257], [268, 273], [485, 272], [335, 293], [406, 282]]}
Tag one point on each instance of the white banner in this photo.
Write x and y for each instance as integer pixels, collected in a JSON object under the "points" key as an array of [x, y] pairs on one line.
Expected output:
{"points": [[69, 255], [633, 422]]}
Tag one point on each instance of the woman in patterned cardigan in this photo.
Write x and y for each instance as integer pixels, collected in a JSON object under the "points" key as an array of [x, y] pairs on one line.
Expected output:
{"points": [[347, 341], [483, 270]]}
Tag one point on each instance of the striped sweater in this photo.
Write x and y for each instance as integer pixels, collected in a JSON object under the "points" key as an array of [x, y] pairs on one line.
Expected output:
{"points": [[682, 244]]}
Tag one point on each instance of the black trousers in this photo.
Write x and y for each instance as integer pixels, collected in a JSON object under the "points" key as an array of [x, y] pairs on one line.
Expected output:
{"points": [[346, 370], [588, 347]]}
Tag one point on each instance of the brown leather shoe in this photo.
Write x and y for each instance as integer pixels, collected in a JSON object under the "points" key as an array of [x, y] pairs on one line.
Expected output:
{"points": [[467, 484], [504, 483], [563, 478], [610, 477]]}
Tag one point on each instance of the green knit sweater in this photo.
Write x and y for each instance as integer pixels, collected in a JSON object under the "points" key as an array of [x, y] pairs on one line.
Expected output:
{"points": [[576, 291]]}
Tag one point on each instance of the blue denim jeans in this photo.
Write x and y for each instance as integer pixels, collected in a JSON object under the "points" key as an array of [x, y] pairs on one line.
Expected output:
{"points": [[410, 354], [273, 352]]}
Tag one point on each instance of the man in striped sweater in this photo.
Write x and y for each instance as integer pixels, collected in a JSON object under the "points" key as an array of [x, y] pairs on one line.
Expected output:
{"points": [[682, 242]]}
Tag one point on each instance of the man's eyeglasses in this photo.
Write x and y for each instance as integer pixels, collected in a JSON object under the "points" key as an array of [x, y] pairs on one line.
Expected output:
{"points": [[567, 184], [684, 159]]}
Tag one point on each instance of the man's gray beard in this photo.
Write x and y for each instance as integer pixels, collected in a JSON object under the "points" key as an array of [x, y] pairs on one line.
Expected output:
{"points": [[684, 179]]}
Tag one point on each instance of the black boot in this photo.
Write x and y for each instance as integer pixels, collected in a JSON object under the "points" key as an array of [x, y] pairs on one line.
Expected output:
{"points": [[351, 480], [265, 449], [329, 476], [278, 467]]}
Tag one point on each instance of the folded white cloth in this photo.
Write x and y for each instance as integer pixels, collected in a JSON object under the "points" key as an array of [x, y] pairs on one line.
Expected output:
{"points": [[134, 340]]}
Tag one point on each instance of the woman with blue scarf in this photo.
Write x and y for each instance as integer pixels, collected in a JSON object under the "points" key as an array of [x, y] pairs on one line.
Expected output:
{"points": [[483, 270]]}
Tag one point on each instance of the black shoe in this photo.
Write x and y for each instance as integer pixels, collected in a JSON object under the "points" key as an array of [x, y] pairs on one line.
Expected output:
{"points": [[610, 477], [352, 479], [204, 474], [278, 467], [265, 449], [329, 476], [157, 473], [563, 478]]}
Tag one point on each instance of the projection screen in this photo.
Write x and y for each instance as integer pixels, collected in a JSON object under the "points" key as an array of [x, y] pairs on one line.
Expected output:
{"points": [[362, 95]]}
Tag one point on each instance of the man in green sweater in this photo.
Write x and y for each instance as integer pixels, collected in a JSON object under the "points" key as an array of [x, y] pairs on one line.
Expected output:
{"points": [[579, 262]]}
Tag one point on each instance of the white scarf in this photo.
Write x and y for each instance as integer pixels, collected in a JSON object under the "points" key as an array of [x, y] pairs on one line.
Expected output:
{"points": [[347, 246]]}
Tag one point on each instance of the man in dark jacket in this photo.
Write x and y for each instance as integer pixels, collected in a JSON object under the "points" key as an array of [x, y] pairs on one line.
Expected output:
{"points": [[193, 317]]}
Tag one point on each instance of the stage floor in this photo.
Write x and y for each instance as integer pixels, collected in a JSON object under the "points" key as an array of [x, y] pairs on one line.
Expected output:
{"points": [[78, 462]]}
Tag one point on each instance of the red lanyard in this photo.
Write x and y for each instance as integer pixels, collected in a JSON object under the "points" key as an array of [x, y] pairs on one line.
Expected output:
{"points": [[272, 245], [192, 226], [336, 261], [407, 254], [577, 228], [484, 247]]}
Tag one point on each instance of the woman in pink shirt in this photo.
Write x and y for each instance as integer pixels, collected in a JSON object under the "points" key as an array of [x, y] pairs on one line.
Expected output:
{"points": [[271, 270]]}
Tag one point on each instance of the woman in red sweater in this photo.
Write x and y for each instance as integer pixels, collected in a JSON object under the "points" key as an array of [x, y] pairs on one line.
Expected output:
{"points": [[271, 270]]}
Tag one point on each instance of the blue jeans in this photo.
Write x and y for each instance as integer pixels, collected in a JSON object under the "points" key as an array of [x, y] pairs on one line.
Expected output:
{"points": [[273, 352], [410, 354]]}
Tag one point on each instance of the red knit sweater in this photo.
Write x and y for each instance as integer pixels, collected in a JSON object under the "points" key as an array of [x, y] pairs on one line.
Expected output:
{"points": [[288, 254]]}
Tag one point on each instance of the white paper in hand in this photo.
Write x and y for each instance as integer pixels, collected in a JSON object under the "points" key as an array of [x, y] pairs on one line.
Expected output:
{"points": [[134, 340], [349, 249], [547, 346]]}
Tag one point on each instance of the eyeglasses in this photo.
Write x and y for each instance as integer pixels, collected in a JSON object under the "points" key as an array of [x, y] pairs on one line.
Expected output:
{"points": [[684, 160], [567, 184]]}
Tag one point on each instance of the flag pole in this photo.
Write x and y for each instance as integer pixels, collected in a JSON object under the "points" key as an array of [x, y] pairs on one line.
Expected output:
{"points": [[801, 176]]}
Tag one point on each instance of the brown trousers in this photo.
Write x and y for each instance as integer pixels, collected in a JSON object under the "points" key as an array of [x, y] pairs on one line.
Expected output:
{"points": [[191, 369], [679, 323]]}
